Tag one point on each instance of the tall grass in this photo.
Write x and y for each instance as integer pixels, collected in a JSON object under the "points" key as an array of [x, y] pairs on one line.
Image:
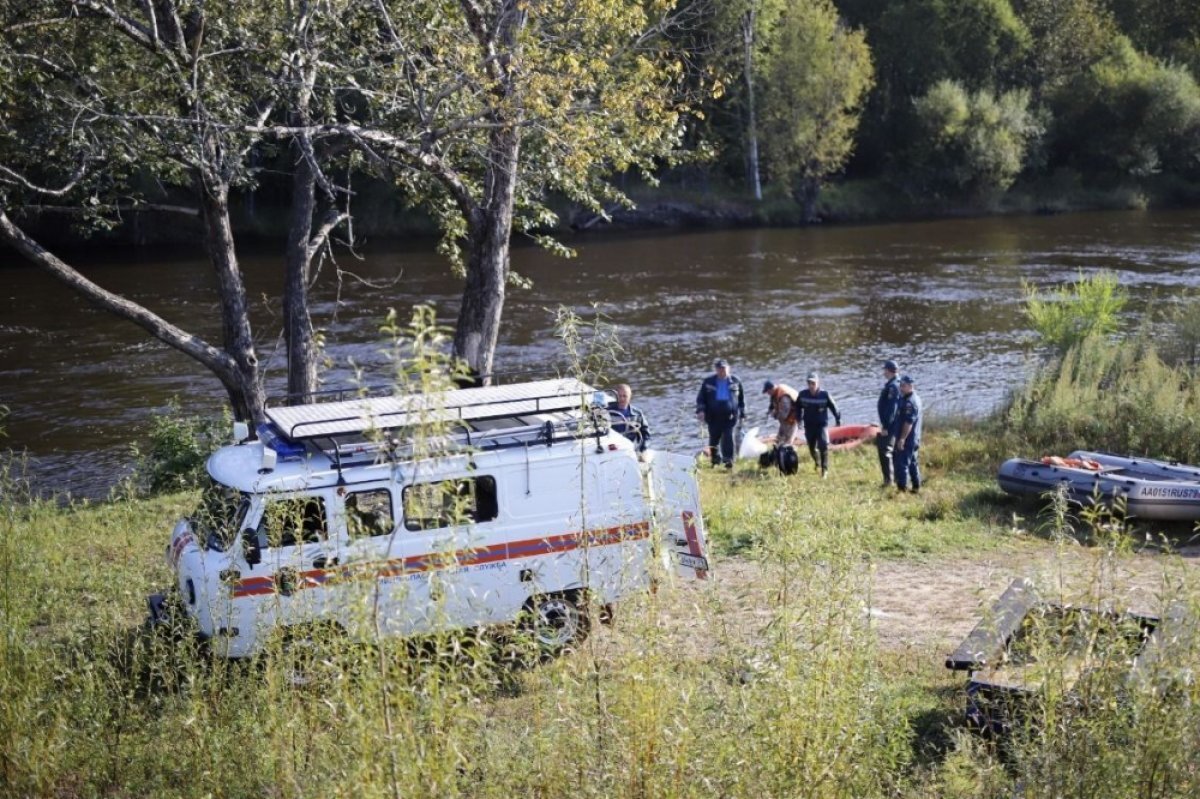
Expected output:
{"points": [[773, 683], [1104, 395]]}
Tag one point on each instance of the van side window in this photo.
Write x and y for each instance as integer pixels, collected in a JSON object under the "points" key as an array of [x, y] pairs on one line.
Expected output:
{"points": [[287, 522], [430, 506], [369, 513]]}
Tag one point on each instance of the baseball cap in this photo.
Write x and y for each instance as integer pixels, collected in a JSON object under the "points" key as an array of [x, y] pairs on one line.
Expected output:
{"points": [[767, 386], [907, 380], [720, 362], [812, 377], [891, 365]]}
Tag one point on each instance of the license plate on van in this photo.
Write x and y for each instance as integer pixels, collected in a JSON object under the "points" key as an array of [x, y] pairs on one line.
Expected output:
{"points": [[697, 562]]}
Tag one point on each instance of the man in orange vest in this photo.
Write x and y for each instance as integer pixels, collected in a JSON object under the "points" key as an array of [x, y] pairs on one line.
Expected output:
{"points": [[783, 410]]}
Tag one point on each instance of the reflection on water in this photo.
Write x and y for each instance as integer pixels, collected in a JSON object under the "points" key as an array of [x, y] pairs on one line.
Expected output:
{"points": [[943, 298]]}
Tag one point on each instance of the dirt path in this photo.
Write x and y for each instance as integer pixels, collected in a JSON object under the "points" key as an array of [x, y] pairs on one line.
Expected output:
{"points": [[928, 606]]}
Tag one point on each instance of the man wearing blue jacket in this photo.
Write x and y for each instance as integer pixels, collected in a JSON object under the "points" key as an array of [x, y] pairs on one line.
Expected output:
{"points": [[720, 404], [889, 403], [906, 428], [815, 407]]}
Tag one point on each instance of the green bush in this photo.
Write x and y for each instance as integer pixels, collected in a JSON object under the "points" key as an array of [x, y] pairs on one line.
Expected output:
{"points": [[179, 447], [1182, 339], [1103, 396], [1066, 315], [971, 144]]}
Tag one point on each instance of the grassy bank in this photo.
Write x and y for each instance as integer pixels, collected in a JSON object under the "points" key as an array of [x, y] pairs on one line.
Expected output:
{"points": [[810, 665]]}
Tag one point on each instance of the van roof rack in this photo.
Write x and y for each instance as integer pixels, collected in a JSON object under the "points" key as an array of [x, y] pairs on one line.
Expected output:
{"points": [[492, 417]]}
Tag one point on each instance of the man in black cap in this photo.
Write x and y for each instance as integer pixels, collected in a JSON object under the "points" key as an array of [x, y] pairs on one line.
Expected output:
{"points": [[889, 403], [815, 407], [721, 404], [907, 427]]}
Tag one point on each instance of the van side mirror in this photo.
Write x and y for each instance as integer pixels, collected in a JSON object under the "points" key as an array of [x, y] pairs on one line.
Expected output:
{"points": [[250, 548]]}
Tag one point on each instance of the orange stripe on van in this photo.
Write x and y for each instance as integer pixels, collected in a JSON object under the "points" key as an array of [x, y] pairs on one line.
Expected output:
{"points": [[433, 561]]}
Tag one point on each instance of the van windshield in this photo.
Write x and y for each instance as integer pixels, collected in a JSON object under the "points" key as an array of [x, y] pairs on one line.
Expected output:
{"points": [[220, 514]]}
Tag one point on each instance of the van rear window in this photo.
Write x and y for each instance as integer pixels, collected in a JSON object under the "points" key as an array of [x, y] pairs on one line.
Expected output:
{"points": [[447, 503]]}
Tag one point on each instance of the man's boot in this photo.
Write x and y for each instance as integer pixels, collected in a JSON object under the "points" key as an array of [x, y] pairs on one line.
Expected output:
{"points": [[886, 465], [824, 463]]}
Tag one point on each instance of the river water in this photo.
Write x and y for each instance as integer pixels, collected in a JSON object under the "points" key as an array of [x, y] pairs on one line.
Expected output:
{"points": [[943, 298]]}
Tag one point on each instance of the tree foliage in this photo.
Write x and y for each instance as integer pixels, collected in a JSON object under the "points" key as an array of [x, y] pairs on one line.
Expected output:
{"points": [[815, 77], [972, 143]]}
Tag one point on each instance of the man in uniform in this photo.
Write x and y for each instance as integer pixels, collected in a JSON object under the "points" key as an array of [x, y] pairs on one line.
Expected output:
{"points": [[782, 409], [889, 403], [815, 407], [907, 431], [720, 404], [629, 420]]}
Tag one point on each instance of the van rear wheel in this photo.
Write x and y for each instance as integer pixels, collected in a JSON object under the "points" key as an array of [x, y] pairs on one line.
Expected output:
{"points": [[558, 622]]}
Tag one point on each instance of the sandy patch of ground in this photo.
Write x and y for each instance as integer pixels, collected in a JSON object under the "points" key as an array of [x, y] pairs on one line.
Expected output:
{"points": [[927, 607]]}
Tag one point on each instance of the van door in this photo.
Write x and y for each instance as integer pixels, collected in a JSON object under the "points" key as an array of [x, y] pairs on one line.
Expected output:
{"points": [[293, 534], [451, 520], [372, 581], [676, 502]]}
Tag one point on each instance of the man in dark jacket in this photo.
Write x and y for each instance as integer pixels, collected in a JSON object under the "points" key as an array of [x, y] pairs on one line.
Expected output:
{"points": [[815, 407], [889, 403], [906, 427], [720, 404], [628, 420]]}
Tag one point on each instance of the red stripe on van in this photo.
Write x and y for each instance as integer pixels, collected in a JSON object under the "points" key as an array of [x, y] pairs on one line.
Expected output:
{"points": [[693, 539], [415, 564]]}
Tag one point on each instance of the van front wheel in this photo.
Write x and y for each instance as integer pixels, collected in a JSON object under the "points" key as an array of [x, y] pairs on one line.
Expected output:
{"points": [[558, 622]]}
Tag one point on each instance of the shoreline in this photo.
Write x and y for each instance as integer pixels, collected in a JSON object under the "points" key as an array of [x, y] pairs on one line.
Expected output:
{"points": [[665, 209]]}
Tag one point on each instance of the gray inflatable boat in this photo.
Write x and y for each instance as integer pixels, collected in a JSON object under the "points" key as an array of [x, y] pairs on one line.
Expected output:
{"points": [[1151, 489]]}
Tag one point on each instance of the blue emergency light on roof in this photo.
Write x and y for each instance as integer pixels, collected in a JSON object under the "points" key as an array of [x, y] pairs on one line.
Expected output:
{"points": [[272, 439]]}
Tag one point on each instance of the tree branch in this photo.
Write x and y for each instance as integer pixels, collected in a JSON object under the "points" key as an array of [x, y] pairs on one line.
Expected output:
{"points": [[10, 176], [217, 361]]}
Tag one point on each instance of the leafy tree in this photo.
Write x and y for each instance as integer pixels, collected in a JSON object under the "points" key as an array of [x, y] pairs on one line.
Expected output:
{"points": [[481, 108], [972, 143], [1069, 38], [815, 78], [1129, 115], [1166, 29], [916, 43], [741, 31], [100, 97]]}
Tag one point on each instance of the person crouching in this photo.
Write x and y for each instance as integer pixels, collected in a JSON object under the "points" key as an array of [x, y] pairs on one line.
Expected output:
{"points": [[782, 409]]}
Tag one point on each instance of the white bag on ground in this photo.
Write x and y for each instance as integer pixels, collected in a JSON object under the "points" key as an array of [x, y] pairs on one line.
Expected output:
{"points": [[751, 447]]}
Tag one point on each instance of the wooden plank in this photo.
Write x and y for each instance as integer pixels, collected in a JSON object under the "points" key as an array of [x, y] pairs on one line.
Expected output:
{"points": [[986, 642]]}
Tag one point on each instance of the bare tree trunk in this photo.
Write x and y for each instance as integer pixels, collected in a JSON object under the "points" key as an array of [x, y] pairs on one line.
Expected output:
{"points": [[246, 395], [488, 260], [806, 195], [491, 230], [751, 122], [297, 325]]}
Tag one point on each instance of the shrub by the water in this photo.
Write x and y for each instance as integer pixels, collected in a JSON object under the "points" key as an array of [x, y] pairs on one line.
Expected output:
{"points": [[1103, 395], [178, 450], [1066, 315]]}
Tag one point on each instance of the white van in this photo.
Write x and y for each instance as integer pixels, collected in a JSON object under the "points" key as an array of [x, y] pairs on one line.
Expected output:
{"points": [[531, 507]]}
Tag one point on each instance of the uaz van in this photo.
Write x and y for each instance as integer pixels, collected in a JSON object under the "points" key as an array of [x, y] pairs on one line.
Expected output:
{"points": [[523, 504]]}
